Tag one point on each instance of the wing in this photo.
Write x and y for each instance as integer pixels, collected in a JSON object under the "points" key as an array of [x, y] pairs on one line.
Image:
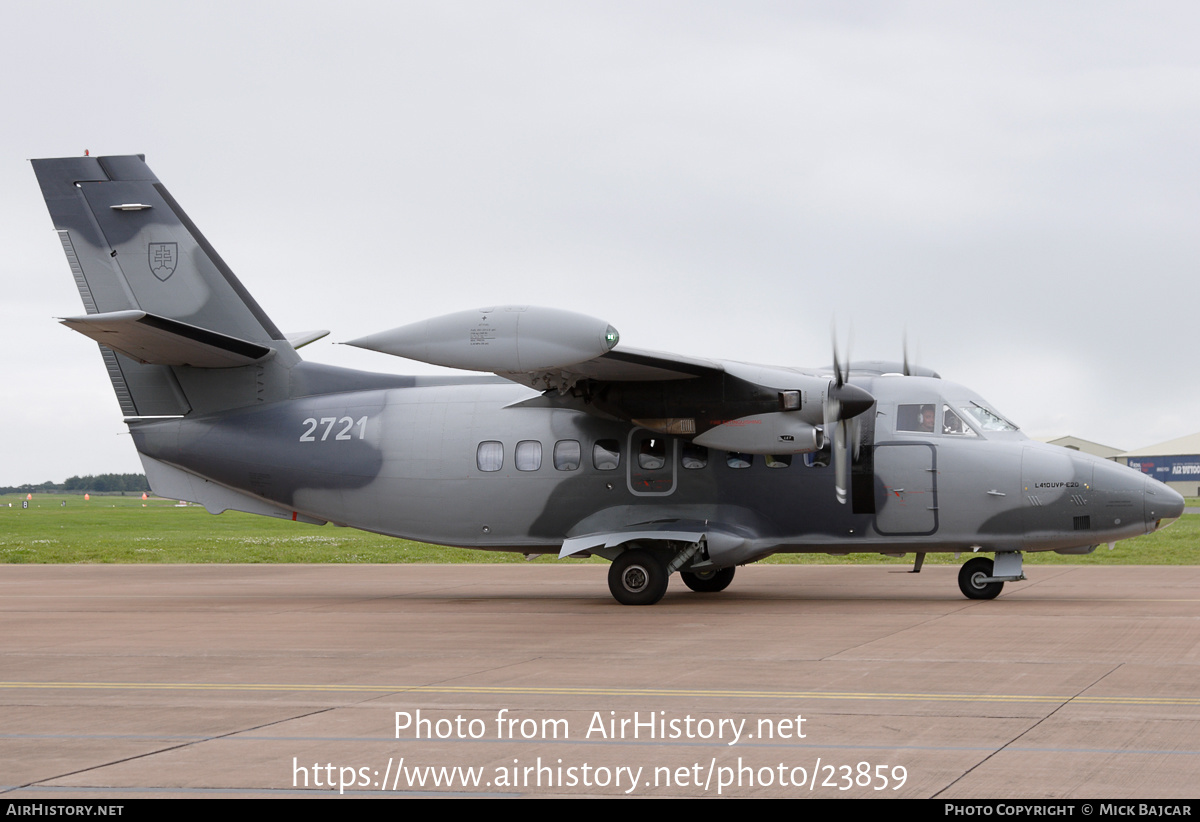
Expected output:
{"points": [[626, 365], [572, 359]]}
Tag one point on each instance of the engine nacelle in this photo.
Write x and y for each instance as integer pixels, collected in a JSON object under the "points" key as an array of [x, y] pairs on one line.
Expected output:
{"points": [[781, 432], [500, 338]]}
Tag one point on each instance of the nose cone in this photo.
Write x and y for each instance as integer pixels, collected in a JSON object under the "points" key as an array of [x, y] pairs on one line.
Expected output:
{"points": [[1163, 505]]}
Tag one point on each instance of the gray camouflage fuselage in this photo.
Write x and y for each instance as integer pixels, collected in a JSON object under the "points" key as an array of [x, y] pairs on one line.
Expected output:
{"points": [[658, 462], [414, 474]]}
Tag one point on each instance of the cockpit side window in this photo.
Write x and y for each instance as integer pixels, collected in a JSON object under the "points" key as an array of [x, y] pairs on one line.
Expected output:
{"points": [[917, 417], [936, 418]]}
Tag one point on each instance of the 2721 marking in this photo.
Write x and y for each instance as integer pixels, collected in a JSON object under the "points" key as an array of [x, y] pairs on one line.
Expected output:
{"points": [[345, 432]]}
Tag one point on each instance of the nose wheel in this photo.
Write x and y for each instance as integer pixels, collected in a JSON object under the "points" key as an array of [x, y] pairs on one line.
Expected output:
{"points": [[973, 579], [637, 577]]}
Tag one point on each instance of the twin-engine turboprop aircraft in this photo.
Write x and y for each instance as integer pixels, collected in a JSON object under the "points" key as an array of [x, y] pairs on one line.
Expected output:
{"points": [[657, 462]]}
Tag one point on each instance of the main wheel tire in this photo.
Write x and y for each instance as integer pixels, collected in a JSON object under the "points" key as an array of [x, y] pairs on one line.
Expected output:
{"points": [[637, 577], [708, 582], [971, 576]]}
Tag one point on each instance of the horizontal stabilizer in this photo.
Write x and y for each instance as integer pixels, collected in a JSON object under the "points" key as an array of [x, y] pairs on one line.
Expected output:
{"points": [[149, 338], [299, 339]]}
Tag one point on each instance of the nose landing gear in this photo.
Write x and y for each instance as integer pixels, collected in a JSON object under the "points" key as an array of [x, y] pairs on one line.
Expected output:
{"points": [[973, 579], [980, 578]]}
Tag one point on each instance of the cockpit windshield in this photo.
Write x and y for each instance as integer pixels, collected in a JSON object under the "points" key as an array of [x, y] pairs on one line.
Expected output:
{"points": [[986, 419], [962, 419], [953, 424]]}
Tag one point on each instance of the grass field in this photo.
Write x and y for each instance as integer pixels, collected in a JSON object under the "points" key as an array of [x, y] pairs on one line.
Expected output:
{"points": [[67, 529]]}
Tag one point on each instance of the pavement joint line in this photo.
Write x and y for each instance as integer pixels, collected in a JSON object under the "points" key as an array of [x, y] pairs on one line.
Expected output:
{"points": [[186, 743], [240, 737], [627, 692], [1007, 745]]}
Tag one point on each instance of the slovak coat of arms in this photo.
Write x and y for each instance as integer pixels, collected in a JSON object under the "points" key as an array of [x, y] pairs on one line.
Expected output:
{"points": [[162, 258]]}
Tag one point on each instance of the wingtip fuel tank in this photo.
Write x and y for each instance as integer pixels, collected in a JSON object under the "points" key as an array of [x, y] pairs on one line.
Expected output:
{"points": [[498, 338]]}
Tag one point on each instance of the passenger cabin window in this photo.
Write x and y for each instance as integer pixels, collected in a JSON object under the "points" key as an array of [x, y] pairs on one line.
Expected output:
{"points": [[606, 455], [652, 454], [693, 456], [735, 459], [529, 455], [566, 455], [489, 456]]}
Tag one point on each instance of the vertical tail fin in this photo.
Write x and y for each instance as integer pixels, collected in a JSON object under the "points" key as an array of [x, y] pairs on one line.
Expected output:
{"points": [[140, 262]]}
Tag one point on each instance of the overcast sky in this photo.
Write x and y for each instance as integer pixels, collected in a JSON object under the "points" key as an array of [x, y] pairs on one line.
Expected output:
{"points": [[1016, 185]]}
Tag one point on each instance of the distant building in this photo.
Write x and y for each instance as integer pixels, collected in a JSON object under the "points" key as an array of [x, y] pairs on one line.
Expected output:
{"points": [[1087, 447], [1175, 462]]}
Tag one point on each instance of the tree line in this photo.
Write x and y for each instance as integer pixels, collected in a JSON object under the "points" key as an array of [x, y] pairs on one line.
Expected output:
{"points": [[92, 483]]}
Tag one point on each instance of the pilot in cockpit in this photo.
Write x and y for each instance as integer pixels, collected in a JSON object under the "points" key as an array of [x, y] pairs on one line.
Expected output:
{"points": [[927, 418]]}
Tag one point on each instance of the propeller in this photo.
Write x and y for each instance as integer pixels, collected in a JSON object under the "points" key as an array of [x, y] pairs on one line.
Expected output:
{"points": [[911, 366], [843, 404]]}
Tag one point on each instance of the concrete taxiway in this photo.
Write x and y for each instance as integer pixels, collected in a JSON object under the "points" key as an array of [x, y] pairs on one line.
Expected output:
{"points": [[528, 680]]}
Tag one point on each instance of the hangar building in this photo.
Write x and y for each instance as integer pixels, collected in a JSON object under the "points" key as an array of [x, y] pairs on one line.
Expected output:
{"points": [[1175, 462], [1086, 446]]}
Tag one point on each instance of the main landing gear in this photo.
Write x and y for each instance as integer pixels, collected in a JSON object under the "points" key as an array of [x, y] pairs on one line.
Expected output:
{"points": [[708, 582], [638, 576]]}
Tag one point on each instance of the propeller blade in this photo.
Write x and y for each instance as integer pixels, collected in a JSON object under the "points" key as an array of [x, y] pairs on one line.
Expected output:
{"points": [[843, 403], [839, 378], [841, 461]]}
